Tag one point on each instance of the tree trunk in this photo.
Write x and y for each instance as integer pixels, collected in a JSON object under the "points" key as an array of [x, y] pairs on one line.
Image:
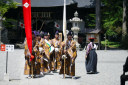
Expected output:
{"points": [[98, 18], [124, 27], [98, 14]]}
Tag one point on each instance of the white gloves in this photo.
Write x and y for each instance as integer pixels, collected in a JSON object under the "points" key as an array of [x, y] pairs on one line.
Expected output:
{"points": [[40, 49], [46, 59], [64, 56], [56, 49], [28, 54]]}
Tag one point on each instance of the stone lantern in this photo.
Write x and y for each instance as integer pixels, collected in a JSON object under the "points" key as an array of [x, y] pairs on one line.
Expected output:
{"points": [[75, 22]]}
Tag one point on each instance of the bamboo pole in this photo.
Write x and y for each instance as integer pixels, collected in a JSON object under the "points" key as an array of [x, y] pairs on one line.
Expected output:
{"points": [[32, 69], [64, 21], [36, 22], [64, 68], [42, 26], [64, 31]]}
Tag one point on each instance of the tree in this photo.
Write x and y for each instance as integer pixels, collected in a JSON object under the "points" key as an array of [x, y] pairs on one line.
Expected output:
{"points": [[90, 21], [98, 15], [124, 42], [124, 27], [112, 17], [5, 5]]}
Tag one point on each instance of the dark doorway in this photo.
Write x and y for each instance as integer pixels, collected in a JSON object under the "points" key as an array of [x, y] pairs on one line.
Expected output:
{"points": [[45, 27]]}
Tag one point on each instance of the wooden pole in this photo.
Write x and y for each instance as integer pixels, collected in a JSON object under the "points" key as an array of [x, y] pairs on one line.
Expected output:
{"points": [[42, 26], [36, 22], [64, 30], [32, 69], [64, 68], [64, 21], [70, 66], [55, 62]]}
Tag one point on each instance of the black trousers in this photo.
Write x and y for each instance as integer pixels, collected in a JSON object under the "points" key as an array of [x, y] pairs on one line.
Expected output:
{"points": [[123, 78]]}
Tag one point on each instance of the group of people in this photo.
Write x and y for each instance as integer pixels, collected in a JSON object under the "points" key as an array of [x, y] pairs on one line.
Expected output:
{"points": [[50, 55], [54, 55]]}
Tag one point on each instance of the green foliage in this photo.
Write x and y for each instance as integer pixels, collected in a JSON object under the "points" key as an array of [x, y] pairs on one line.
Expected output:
{"points": [[111, 44], [112, 16], [5, 5], [111, 32], [90, 21], [7, 23]]}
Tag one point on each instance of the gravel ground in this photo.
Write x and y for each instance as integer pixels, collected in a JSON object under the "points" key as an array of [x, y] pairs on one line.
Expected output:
{"points": [[109, 67]]}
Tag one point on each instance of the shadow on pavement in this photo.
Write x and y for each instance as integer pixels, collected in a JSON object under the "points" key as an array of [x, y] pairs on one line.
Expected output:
{"points": [[14, 79], [94, 73], [76, 77]]}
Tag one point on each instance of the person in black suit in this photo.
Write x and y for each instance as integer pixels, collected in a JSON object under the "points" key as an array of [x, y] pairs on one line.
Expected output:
{"points": [[124, 77]]}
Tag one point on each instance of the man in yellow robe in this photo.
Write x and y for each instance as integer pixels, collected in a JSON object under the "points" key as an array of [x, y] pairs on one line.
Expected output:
{"points": [[45, 56], [69, 49], [41, 50], [55, 57], [29, 65], [37, 54]]}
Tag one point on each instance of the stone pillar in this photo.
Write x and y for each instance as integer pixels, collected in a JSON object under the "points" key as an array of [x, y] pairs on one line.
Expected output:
{"points": [[75, 22]]}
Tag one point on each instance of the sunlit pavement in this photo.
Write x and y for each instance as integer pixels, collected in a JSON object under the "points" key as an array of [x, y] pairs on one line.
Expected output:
{"points": [[110, 67]]}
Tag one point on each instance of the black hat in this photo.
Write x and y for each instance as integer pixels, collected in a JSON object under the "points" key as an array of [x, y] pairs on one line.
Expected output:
{"points": [[45, 34], [33, 33], [70, 33], [41, 33], [57, 33], [36, 33]]}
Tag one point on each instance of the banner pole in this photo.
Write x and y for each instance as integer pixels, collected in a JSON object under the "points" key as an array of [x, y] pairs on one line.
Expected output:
{"points": [[64, 68], [32, 69]]}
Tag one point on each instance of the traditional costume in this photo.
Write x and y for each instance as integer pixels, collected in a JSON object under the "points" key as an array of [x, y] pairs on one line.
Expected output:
{"points": [[29, 63], [91, 60], [41, 54], [45, 45], [37, 54], [71, 55], [55, 56]]}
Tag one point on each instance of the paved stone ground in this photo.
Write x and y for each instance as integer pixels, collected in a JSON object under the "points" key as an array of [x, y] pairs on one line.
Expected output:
{"points": [[109, 67]]}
